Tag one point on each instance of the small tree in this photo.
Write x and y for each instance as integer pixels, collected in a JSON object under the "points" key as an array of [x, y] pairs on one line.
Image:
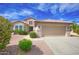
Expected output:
{"points": [[5, 31]]}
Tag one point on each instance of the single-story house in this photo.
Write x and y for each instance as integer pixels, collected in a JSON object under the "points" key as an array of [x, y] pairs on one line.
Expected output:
{"points": [[45, 27]]}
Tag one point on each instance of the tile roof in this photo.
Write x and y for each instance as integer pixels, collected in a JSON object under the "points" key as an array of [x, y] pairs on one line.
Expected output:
{"points": [[57, 21], [47, 20]]}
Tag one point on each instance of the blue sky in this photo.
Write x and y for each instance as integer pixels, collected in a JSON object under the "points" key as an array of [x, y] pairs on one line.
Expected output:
{"points": [[40, 11]]}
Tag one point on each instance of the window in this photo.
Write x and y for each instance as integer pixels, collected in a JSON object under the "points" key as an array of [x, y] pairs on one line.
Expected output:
{"points": [[16, 27], [30, 22], [20, 27]]}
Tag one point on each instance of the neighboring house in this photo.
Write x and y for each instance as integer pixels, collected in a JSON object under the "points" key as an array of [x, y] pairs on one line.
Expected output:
{"points": [[45, 27]]}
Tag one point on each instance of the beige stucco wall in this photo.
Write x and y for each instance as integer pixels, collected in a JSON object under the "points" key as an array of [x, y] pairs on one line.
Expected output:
{"points": [[27, 21]]}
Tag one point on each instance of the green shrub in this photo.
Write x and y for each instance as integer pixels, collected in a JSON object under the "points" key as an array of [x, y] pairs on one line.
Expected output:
{"points": [[5, 31], [77, 31], [16, 32], [20, 32], [75, 28], [23, 33], [30, 28], [33, 34], [2, 46], [25, 44]]}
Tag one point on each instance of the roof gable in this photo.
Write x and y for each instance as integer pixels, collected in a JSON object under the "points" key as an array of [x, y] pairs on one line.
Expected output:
{"points": [[20, 22], [29, 19]]}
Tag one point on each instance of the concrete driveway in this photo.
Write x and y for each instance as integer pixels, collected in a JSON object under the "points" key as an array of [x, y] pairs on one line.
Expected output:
{"points": [[63, 45]]}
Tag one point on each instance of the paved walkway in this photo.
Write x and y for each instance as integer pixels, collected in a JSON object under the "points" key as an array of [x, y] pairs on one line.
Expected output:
{"points": [[63, 45]]}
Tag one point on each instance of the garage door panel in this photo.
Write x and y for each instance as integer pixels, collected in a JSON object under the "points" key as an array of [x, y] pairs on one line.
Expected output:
{"points": [[49, 30], [54, 32]]}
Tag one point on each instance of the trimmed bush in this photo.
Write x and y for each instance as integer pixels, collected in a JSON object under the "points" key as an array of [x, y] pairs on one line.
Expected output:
{"points": [[33, 34], [25, 44]]}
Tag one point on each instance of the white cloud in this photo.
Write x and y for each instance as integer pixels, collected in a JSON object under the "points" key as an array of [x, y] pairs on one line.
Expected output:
{"points": [[16, 15], [10, 15], [63, 6], [68, 7], [53, 9], [43, 6], [73, 7], [25, 12]]}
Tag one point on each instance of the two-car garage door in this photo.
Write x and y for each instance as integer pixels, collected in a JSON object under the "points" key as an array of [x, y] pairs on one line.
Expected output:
{"points": [[53, 30]]}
